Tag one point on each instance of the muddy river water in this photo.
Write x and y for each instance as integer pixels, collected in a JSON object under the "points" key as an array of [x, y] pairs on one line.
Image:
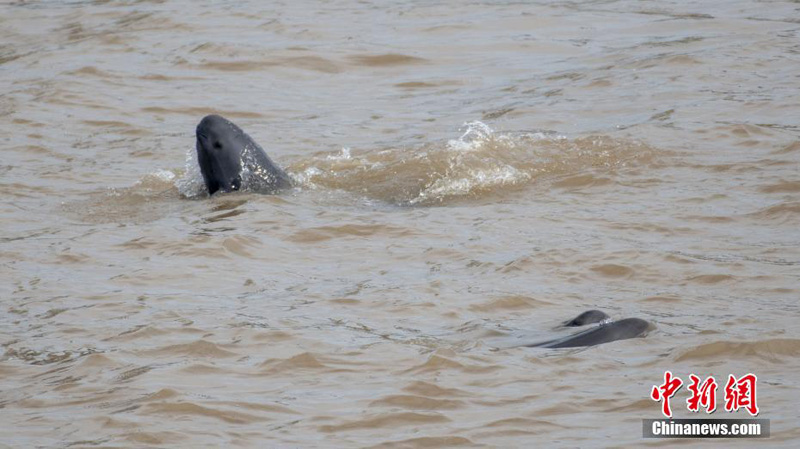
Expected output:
{"points": [[469, 175]]}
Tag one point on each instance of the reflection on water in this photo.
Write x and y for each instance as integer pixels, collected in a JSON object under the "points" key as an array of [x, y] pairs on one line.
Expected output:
{"points": [[469, 176]]}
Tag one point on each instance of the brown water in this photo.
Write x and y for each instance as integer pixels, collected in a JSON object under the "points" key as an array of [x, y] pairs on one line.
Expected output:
{"points": [[470, 175]]}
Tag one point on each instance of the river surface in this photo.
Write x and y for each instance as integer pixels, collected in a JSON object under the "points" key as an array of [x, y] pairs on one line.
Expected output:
{"points": [[469, 175]]}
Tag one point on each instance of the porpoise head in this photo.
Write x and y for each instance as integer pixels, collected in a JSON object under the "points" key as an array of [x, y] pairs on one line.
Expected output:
{"points": [[588, 317], [220, 144]]}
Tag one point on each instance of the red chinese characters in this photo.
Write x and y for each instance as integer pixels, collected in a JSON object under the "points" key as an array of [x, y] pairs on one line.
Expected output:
{"points": [[665, 391], [741, 393], [705, 394]]}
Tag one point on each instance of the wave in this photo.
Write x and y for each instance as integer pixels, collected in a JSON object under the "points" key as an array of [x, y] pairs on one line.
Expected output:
{"points": [[479, 163]]}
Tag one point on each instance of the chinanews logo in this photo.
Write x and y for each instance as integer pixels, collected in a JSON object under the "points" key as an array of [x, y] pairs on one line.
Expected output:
{"points": [[739, 393]]}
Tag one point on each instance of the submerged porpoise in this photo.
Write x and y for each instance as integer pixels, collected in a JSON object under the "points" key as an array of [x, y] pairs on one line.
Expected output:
{"points": [[605, 332]]}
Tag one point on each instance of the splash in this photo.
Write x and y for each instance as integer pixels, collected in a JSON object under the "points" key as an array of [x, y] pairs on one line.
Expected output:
{"points": [[479, 163], [156, 181], [191, 184]]}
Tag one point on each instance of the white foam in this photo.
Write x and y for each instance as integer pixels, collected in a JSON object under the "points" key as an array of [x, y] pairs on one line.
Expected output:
{"points": [[475, 134], [343, 156], [159, 176], [191, 184], [306, 177], [471, 181]]}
